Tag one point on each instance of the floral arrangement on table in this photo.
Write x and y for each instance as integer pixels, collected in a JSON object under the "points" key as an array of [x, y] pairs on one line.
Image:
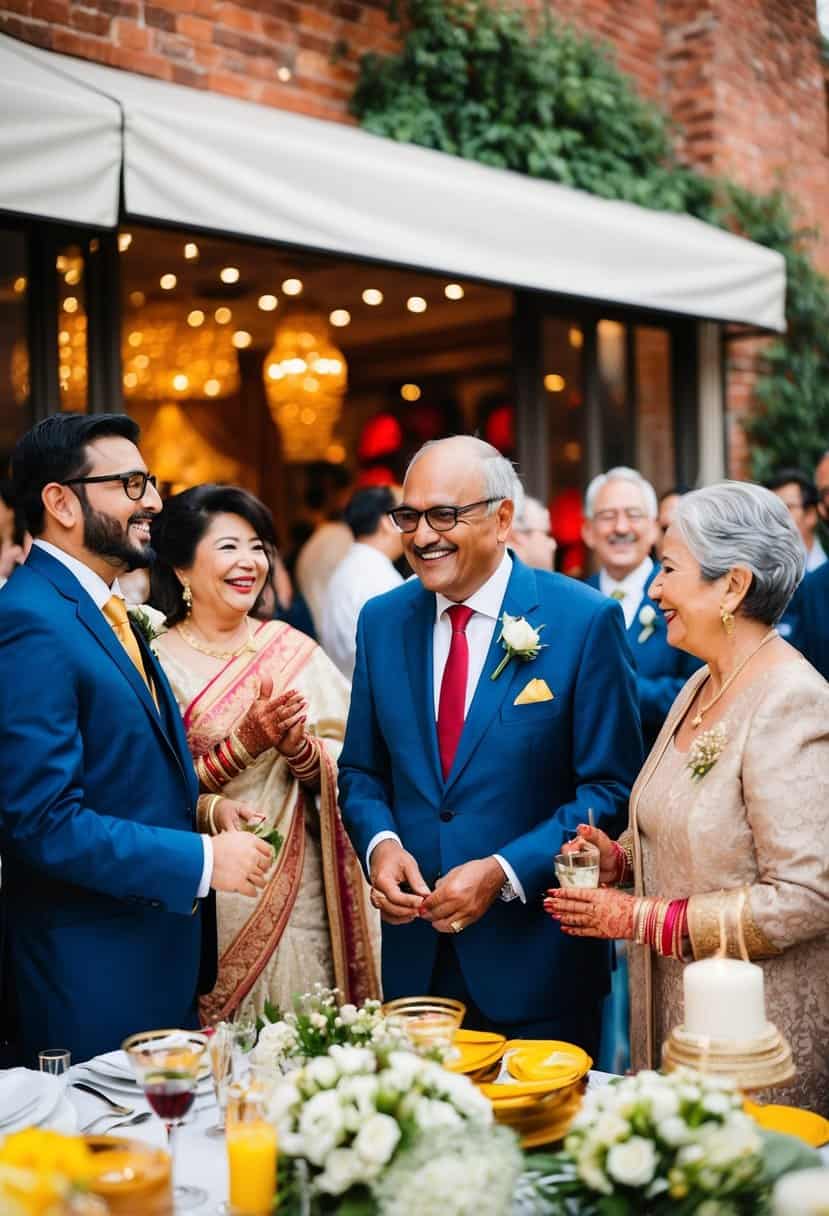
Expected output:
{"points": [[664, 1144], [43, 1173]]}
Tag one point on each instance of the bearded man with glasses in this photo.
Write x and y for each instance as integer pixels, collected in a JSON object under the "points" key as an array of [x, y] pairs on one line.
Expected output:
{"points": [[106, 883], [464, 768]]}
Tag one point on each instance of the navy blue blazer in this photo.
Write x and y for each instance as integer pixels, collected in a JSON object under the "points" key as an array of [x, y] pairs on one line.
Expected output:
{"points": [[661, 669], [101, 861], [810, 612], [522, 775]]}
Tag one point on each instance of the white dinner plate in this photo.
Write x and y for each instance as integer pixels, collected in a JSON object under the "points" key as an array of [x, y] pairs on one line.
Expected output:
{"points": [[124, 1088], [26, 1098]]}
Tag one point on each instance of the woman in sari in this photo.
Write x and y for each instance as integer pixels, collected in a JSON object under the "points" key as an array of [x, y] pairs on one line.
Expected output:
{"points": [[729, 818], [264, 711]]}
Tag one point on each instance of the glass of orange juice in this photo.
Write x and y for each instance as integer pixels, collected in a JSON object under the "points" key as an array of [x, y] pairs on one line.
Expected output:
{"points": [[251, 1152]]}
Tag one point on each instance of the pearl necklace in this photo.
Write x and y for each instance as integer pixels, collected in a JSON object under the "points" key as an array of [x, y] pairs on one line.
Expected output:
{"points": [[703, 709], [212, 651]]}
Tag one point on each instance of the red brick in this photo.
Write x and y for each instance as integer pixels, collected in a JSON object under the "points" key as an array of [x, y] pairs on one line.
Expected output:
{"points": [[196, 28], [55, 12], [129, 34], [189, 76], [27, 31], [160, 18], [90, 22], [236, 18], [243, 43]]}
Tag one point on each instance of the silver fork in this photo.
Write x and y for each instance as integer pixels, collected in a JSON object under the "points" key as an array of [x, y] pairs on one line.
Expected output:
{"points": [[134, 1120], [115, 1107]]}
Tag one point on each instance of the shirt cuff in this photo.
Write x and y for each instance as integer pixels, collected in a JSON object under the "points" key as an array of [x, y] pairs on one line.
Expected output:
{"points": [[512, 888], [207, 868], [373, 843]]}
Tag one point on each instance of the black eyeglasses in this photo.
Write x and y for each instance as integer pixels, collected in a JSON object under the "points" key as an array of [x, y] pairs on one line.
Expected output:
{"points": [[135, 483], [439, 519]]}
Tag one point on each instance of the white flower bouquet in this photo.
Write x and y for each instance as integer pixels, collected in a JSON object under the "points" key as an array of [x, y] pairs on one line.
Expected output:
{"points": [[348, 1114]]}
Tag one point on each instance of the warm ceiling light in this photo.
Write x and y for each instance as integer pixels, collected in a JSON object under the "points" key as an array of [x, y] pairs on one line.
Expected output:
{"points": [[229, 274], [191, 251], [72, 276], [554, 383], [135, 338], [241, 339], [181, 382], [130, 380], [212, 388], [124, 241], [20, 285], [453, 291], [267, 303], [284, 74], [61, 262], [195, 318], [575, 337], [70, 304], [410, 392], [137, 299], [572, 451], [223, 315], [340, 317], [168, 282], [335, 453], [292, 287], [416, 304], [372, 297]]}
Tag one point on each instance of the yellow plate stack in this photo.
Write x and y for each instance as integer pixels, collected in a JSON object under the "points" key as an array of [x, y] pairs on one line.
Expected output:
{"points": [[791, 1121], [545, 1090], [478, 1054]]}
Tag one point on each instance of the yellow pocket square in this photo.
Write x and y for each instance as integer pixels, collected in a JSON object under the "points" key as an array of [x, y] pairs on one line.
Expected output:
{"points": [[532, 693]]}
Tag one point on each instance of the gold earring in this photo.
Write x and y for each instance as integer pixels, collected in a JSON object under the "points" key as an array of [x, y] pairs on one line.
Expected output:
{"points": [[727, 619], [187, 597]]}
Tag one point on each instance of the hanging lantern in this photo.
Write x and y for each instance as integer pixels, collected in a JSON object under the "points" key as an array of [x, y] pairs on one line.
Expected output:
{"points": [[381, 436], [305, 379], [166, 358], [72, 370]]}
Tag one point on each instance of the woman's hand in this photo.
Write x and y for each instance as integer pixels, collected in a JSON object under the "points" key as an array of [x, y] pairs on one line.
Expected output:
{"points": [[597, 912], [608, 857], [230, 816], [273, 721]]}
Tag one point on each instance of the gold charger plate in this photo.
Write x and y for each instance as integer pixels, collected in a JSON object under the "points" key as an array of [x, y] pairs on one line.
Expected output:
{"points": [[546, 1060], [791, 1121], [477, 1050]]}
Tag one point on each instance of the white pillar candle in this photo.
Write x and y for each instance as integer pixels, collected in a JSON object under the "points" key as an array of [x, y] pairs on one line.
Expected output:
{"points": [[724, 1000], [803, 1193]]}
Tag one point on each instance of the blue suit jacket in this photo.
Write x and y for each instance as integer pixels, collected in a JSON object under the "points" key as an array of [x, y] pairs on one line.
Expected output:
{"points": [[810, 613], [661, 669], [101, 862], [522, 775]]}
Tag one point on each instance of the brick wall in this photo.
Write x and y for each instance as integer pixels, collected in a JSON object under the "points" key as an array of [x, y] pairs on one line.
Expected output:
{"points": [[742, 79]]}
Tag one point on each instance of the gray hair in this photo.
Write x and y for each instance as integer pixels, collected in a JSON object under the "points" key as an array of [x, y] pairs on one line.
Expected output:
{"points": [[500, 478], [621, 473], [520, 518], [737, 523]]}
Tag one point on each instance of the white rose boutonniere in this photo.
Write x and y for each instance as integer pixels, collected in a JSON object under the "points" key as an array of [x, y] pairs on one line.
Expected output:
{"points": [[520, 641], [647, 619]]}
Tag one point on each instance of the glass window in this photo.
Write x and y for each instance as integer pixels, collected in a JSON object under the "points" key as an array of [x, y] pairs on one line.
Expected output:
{"points": [[72, 324], [617, 441], [654, 412], [14, 353], [562, 343]]}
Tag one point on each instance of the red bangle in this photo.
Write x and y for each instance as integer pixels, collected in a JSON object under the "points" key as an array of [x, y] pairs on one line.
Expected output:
{"points": [[214, 769]]}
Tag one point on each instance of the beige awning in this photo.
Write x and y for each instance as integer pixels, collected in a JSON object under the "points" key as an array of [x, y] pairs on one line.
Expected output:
{"points": [[201, 160]]}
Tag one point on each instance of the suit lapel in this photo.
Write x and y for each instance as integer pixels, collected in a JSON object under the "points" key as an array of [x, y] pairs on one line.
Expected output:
{"points": [[635, 627], [520, 599], [418, 640]]}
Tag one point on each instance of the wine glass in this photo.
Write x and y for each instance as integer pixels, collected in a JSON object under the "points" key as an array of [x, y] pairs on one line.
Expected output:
{"points": [[167, 1064], [579, 868], [55, 1061], [244, 1040], [220, 1052]]}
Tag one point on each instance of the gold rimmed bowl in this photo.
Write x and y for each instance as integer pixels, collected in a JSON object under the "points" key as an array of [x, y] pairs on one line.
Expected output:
{"points": [[429, 1021]]}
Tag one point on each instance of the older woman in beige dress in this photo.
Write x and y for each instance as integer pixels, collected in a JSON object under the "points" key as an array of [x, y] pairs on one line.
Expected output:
{"points": [[729, 819]]}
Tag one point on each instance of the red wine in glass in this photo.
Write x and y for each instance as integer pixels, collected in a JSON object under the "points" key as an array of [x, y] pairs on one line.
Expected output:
{"points": [[170, 1097]]}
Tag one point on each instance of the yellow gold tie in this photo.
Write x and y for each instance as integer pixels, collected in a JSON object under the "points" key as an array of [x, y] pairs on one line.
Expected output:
{"points": [[115, 611]]}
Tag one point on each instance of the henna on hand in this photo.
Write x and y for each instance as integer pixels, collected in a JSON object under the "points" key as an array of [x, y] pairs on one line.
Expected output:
{"points": [[599, 912]]}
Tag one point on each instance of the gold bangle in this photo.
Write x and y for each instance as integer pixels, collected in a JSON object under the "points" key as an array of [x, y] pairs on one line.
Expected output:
{"points": [[211, 811], [238, 750], [205, 777], [639, 914]]}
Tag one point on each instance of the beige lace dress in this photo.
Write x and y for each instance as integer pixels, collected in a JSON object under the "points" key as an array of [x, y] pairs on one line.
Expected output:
{"points": [[757, 822]]}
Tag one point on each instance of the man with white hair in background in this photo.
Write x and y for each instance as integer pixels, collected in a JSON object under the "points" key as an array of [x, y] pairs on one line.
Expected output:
{"points": [[493, 707], [531, 537], [620, 526]]}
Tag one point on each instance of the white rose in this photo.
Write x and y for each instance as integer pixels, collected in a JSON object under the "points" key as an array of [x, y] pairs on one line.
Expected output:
{"points": [[675, 1131], [723, 1143], [403, 1067], [321, 1125], [663, 1103], [377, 1139], [319, 1020], [632, 1163], [348, 1013], [518, 634], [342, 1169], [716, 1104], [647, 616], [322, 1071], [609, 1128], [591, 1172], [430, 1113], [352, 1059], [282, 1100]]}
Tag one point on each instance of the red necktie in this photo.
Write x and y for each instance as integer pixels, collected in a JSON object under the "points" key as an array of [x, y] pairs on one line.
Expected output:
{"points": [[453, 687]]}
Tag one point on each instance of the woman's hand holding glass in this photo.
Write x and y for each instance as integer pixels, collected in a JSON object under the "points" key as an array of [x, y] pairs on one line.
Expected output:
{"points": [[600, 912], [608, 858], [277, 722]]}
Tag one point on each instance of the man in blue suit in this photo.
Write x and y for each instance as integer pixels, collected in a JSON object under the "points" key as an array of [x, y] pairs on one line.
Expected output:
{"points": [[458, 788], [810, 612], [621, 527], [105, 881]]}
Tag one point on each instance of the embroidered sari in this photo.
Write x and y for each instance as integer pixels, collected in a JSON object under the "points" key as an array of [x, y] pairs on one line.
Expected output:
{"points": [[312, 923]]}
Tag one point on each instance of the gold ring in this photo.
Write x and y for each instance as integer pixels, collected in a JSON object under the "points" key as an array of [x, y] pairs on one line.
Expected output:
{"points": [[456, 926]]}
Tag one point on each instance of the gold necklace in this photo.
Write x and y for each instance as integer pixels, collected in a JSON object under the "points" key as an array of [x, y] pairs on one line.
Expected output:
{"points": [[212, 651], [703, 709]]}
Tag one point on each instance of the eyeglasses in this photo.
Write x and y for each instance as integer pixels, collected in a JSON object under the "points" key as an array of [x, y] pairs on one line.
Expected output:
{"points": [[135, 483], [632, 514], [439, 519]]}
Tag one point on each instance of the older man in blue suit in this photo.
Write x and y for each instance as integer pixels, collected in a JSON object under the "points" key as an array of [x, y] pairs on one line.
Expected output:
{"points": [[105, 880], [620, 527], [465, 763]]}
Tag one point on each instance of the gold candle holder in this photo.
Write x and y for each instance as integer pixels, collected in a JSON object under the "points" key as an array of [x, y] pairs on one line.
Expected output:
{"points": [[754, 1064]]}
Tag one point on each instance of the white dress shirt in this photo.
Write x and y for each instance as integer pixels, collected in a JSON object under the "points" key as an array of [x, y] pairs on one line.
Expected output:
{"points": [[633, 586], [99, 592], [486, 605], [815, 557], [363, 573]]}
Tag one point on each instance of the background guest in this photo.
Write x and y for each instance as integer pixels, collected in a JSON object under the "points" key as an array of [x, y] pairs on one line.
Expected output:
{"points": [[531, 538], [666, 510], [811, 619], [799, 494], [325, 499], [15, 541], [365, 571]]}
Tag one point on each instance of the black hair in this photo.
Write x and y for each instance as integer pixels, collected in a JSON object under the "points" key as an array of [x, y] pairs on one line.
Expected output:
{"points": [[181, 524], [787, 477], [366, 509], [55, 449], [679, 489]]}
